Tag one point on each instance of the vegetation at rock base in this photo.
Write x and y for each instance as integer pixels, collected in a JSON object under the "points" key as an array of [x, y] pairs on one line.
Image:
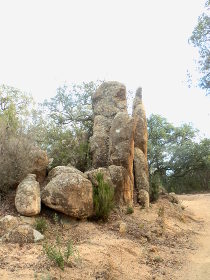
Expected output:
{"points": [[103, 198], [129, 210], [41, 224]]}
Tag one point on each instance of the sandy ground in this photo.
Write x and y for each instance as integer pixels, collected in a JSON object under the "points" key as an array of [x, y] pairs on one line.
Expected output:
{"points": [[198, 265], [162, 243]]}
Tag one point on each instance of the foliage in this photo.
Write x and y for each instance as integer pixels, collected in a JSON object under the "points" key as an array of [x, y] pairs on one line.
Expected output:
{"points": [[64, 125], [200, 39], [155, 184], [41, 225], [14, 105], [59, 255], [15, 152], [177, 161], [103, 198], [129, 210]]}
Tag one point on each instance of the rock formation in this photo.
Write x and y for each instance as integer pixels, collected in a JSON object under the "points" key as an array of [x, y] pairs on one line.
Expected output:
{"points": [[69, 192], [112, 143], [119, 151], [27, 199], [140, 152], [108, 100]]}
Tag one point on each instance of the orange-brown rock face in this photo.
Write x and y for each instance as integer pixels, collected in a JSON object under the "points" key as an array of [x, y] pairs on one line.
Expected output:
{"points": [[139, 115], [140, 154]]}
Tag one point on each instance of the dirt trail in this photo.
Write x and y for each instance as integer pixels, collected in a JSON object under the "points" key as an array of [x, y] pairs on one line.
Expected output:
{"points": [[198, 266]]}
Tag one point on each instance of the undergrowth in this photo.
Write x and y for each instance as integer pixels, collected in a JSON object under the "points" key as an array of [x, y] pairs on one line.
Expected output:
{"points": [[103, 198]]}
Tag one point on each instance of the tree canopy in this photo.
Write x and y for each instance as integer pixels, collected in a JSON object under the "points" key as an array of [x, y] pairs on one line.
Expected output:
{"points": [[177, 157], [200, 38]]}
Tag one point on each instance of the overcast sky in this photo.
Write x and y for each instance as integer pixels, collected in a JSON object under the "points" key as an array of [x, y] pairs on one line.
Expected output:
{"points": [[139, 43]]}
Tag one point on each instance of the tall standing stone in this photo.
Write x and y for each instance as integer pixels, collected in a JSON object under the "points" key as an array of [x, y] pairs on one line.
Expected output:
{"points": [[112, 143], [108, 100], [140, 137], [141, 175]]}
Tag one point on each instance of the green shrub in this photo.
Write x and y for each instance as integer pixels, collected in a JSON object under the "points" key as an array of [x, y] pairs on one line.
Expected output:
{"points": [[41, 225], [58, 255], [103, 198], [155, 185], [129, 210]]}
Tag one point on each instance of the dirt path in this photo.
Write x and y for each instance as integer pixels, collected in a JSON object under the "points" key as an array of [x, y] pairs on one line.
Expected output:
{"points": [[198, 266]]}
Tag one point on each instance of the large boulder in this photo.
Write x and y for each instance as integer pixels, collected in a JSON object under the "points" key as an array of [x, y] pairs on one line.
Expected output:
{"points": [[27, 199], [64, 169], [108, 100], [69, 193]]}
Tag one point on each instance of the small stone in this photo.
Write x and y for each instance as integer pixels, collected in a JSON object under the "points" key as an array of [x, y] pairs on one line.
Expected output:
{"points": [[123, 228]]}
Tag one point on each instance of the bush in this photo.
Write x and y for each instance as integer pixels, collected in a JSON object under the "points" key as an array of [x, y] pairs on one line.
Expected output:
{"points": [[103, 198], [129, 210], [15, 161], [155, 185], [41, 225], [58, 255]]}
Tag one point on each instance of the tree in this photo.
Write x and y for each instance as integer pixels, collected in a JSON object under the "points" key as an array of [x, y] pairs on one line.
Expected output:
{"points": [[160, 133], [14, 105], [176, 160], [200, 39], [72, 106], [64, 125]]}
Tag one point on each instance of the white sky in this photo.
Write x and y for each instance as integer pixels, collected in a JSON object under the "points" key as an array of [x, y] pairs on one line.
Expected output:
{"points": [[137, 42]]}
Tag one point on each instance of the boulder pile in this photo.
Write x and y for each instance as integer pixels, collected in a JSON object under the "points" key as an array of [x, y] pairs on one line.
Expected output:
{"points": [[119, 151]]}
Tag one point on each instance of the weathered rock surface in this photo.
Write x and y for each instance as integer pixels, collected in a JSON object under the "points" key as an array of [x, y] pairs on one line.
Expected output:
{"points": [[108, 100], [141, 170], [103, 170], [140, 136], [141, 173], [40, 163], [27, 199], [8, 223], [15, 230], [112, 143], [64, 169], [143, 198], [123, 184], [119, 178], [121, 142], [69, 193], [22, 234]]}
